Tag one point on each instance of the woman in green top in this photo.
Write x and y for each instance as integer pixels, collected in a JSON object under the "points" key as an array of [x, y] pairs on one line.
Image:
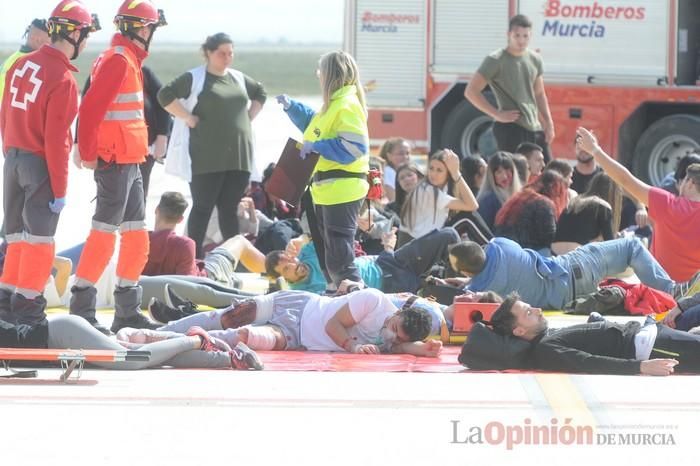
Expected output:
{"points": [[214, 106]]}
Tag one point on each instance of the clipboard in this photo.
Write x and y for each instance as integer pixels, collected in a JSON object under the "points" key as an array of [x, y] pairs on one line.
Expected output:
{"points": [[291, 175]]}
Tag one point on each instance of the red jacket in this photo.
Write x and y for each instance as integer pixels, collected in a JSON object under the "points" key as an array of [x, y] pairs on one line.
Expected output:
{"points": [[39, 105], [106, 83], [640, 299]]}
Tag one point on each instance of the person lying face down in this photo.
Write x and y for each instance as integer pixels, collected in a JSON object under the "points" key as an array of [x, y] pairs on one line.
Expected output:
{"points": [[365, 321], [602, 347]]}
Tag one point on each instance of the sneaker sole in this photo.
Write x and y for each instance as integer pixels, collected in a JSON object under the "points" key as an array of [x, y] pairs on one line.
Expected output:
{"points": [[151, 313], [250, 358], [166, 295]]}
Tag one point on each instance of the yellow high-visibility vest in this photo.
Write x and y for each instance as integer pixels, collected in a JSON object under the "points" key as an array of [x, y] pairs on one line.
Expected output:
{"points": [[6, 66], [346, 118]]}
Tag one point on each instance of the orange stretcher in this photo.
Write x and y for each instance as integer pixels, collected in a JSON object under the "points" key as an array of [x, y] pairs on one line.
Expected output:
{"points": [[70, 359]]}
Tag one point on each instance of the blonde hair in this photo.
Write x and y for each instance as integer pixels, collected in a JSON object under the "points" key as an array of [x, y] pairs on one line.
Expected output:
{"points": [[338, 69]]}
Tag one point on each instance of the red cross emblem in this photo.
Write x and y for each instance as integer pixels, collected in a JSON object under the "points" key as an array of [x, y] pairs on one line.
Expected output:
{"points": [[29, 94]]}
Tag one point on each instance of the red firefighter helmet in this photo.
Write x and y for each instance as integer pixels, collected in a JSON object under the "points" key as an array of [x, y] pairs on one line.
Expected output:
{"points": [[139, 13], [70, 15]]}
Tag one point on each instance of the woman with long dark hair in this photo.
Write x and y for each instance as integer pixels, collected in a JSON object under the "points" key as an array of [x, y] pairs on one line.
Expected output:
{"points": [[591, 216], [428, 206]]}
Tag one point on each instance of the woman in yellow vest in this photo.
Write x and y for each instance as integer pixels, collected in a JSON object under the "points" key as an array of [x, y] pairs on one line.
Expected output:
{"points": [[339, 134]]}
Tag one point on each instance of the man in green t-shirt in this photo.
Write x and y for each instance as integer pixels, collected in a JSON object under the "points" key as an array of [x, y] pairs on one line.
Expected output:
{"points": [[514, 75]]}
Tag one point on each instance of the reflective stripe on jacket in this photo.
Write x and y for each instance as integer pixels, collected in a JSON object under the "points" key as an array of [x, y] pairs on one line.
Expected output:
{"points": [[123, 135], [345, 119]]}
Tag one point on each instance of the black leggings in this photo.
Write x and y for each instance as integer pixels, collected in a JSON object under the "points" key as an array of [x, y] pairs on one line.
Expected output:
{"points": [[223, 190]]}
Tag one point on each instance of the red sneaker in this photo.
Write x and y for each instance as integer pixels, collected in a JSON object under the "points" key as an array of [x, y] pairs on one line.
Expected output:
{"points": [[207, 341]]}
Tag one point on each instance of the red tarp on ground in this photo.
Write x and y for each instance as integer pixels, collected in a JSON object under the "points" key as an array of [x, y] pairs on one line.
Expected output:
{"points": [[343, 362]]}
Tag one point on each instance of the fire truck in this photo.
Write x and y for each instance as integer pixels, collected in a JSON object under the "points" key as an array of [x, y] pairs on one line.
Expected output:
{"points": [[628, 69]]}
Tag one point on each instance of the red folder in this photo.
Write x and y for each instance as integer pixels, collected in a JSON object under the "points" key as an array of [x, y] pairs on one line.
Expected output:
{"points": [[291, 175]]}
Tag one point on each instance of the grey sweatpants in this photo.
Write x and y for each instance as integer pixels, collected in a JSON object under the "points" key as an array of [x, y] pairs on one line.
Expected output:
{"points": [[270, 310], [69, 331], [200, 290]]}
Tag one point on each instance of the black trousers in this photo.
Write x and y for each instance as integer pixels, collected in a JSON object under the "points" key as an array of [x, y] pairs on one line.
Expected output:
{"points": [[679, 345], [338, 224], [223, 190], [307, 206], [510, 135], [146, 167]]}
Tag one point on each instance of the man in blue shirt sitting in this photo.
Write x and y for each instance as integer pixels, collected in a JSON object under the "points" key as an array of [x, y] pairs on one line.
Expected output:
{"points": [[391, 271]]}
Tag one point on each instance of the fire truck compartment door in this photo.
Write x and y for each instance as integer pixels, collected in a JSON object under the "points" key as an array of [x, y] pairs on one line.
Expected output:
{"points": [[390, 49], [465, 31]]}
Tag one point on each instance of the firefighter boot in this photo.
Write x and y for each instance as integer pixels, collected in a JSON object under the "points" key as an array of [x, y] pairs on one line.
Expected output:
{"points": [[6, 313], [127, 304], [82, 303], [29, 311]]}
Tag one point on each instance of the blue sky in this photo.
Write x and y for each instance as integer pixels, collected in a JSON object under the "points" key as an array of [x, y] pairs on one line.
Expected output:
{"points": [[192, 21]]}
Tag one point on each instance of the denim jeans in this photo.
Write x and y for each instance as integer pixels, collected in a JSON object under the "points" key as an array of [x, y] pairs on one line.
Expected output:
{"points": [[593, 262]]}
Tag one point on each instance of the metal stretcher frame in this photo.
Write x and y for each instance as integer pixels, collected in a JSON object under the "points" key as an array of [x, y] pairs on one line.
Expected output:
{"points": [[69, 359]]}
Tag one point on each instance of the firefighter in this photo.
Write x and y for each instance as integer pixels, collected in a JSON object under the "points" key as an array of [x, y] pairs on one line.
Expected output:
{"points": [[39, 105], [113, 141]]}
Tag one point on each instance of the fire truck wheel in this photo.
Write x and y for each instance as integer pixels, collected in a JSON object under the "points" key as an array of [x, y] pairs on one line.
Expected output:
{"points": [[663, 144], [467, 130]]}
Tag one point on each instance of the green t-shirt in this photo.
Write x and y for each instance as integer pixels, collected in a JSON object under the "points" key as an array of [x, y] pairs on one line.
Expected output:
{"points": [[222, 140], [512, 80]]}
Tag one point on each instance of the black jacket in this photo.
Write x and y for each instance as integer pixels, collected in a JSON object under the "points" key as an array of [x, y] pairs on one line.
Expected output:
{"points": [[534, 228], [596, 348]]}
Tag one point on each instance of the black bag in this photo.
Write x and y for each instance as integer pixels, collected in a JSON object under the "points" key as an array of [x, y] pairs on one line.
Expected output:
{"points": [[487, 350], [608, 300], [444, 294]]}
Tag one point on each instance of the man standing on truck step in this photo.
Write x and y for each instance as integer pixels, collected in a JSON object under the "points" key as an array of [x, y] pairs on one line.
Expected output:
{"points": [[113, 141], [514, 75]]}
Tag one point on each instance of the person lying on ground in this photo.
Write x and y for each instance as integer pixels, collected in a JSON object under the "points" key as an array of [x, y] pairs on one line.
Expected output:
{"points": [[602, 347], [194, 349], [172, 254], [503, 266], [391, 271], [365, 321]]}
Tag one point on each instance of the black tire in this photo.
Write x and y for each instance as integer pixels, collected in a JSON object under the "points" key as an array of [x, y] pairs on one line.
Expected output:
{"points": [[467, 130], [663, 144]]}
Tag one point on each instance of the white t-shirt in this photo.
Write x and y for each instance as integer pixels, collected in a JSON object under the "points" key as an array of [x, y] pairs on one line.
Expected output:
{"points": [[389, 177], [370, 308], [427, 214]]}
